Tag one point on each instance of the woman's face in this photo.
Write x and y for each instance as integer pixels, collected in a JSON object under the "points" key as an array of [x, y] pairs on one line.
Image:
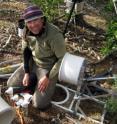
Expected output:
{"points": [[35, 26]]}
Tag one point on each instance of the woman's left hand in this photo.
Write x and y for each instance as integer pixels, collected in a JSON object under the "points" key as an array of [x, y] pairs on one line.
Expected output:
{"points": [[43, 83]]}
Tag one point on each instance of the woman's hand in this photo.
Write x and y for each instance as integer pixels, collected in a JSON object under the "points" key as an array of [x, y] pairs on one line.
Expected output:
{"points": [[43, 83], [26, 79]]}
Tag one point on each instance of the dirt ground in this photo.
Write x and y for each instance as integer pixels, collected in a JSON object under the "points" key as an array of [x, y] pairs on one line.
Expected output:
{"points": [[90, 37]]}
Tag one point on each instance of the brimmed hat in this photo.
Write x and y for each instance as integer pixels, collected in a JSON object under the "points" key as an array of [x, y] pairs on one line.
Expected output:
{"points": [[32, 12]]}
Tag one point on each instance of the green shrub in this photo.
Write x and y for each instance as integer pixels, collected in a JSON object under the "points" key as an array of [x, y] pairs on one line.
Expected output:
{"points": [[111, 105], [111, 38], [109, 6], [50, 7]]}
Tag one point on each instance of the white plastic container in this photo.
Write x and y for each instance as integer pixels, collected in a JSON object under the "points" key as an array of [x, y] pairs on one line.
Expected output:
{"points": [[7, 113], [21, 32], [72, 69], [69, 5], [78, 6]]}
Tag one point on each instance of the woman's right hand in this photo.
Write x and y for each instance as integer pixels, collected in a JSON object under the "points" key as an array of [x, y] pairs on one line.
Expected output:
{"points": [[26, 79]]}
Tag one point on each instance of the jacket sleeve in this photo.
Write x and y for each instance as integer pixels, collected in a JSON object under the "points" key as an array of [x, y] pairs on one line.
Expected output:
{"points": [[24, 44], [58, 47], [26, 55]]}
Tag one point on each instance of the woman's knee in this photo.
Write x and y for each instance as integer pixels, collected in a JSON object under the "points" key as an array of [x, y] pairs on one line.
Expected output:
{"points": [[41, 100], [41, 104]]}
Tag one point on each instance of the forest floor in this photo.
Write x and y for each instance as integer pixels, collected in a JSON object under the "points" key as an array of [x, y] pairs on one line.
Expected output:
{"points": [[85, 40]]}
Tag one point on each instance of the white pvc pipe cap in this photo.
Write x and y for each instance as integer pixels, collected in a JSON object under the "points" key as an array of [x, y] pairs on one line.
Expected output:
{"points": [[15, 97], [25, 104], [19, 102], [27, 97], [9, 91]]}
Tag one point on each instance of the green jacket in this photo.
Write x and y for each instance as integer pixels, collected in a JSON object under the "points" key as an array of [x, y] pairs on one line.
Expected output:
{"points": [[48, 49]]}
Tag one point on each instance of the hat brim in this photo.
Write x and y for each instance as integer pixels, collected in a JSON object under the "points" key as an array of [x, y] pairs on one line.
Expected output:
{"points": [[33, 18]]}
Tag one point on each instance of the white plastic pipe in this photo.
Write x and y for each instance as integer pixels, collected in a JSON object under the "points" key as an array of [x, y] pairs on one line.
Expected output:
{"points": [[115, 5], [9, 69], [7, 113], [8, 62], [66, 98], [78, 6], [5, 76]]}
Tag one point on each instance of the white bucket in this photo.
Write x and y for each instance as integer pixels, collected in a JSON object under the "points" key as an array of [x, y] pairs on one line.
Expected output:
{"points": [[69, 5], [78, 6], [72, 69], [7, 113]]}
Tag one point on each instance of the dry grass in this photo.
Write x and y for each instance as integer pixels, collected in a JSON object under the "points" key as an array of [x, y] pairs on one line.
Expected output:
{"points": [[13, 5]]}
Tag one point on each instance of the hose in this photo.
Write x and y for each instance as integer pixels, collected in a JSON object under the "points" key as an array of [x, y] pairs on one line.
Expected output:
{"points": [[8, 62], [5, 76], [8, 69]]}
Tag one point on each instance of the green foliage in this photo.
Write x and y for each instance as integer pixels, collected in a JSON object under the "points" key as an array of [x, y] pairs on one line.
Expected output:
{"points": [[109, 6], [50, 7], [112, 102], [111, 38], [115, 81], [111, 105]]}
